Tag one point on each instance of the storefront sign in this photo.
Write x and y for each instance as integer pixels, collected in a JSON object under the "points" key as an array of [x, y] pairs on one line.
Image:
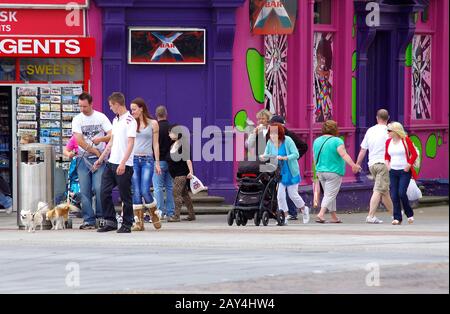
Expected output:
{"points": [[273, 17], [50, 4], [166, 46], [28, 22], [47, 47]]}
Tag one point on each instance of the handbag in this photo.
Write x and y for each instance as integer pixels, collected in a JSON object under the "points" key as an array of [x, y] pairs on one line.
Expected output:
{"points": [[417, 161], [317, 187]]}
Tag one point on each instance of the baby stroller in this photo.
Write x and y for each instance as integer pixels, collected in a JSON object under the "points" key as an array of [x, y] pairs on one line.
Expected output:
{"points": [[72, 194], [256, 197]]}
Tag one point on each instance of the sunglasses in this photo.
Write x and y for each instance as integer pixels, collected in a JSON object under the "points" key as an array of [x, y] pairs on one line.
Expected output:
{"points": [[389, 131]]}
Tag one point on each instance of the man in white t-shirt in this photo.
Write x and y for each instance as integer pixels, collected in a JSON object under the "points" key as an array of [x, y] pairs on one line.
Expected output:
{"points": [[92, 130], [119, 168], [375, 142]]}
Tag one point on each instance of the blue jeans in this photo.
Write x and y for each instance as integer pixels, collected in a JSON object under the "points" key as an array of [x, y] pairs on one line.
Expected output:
{"points": [[5, 200], [164, 180], [399, 185], [143, 167], [90, 184]]}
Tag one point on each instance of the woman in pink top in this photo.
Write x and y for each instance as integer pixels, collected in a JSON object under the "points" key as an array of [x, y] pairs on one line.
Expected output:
{"points": [[400, 155]]}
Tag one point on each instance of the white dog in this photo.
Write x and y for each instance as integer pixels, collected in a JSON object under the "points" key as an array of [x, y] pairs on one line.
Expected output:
{"points": [[33, 219]]}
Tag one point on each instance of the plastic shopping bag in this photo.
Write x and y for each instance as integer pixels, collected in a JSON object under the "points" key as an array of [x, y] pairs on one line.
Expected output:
{"points": [[413, 192], [196, 185]]}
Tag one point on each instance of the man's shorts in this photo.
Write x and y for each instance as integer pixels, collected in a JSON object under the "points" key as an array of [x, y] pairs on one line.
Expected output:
{"points": [[380, 174]]}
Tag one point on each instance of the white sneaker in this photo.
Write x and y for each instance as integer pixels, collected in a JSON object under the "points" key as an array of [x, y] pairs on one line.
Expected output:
{"points": [[285, 221], [373, 220], [306, 215], [411, 220], [9, 210]]}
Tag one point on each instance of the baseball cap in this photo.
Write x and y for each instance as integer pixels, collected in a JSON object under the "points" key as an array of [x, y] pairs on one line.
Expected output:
{"points": [[277, 119]]}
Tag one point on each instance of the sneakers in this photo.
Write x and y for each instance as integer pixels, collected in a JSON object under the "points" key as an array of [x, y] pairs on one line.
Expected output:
{"points": [[411, 220], [290, 217], [9, 210], [396, 222], [286, 221], [373, 220], [86, 226], [306, 215], [108, 228], [173, 219], [100, 222], [124, 229], [188, 218]]}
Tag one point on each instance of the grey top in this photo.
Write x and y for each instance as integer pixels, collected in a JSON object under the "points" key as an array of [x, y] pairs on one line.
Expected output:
{"points": [[143, 144]]}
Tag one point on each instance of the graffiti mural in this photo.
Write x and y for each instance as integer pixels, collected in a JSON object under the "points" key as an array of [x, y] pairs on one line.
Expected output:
{"points": [[323, 76], [276, 73], [255, 71], [421, 77]]}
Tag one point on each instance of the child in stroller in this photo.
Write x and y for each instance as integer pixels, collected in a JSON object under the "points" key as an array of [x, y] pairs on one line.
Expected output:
{"points": [[72, 193], [257, 195]]}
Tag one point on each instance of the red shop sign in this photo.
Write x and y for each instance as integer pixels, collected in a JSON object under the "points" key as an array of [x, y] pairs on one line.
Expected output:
{"points": [[29, 22], [47, 47], [61, 4]]}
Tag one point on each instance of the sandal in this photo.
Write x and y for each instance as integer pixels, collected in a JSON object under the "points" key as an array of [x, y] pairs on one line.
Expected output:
{"points": [[335, 222], [188, 219], [320, 220]]}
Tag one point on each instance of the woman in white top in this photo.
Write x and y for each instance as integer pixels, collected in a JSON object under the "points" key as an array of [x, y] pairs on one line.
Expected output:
{"points": [[400, 156], [146, 159]]}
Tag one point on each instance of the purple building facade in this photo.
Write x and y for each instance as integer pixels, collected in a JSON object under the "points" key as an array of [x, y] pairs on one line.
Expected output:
{"points": [[188, 91]]}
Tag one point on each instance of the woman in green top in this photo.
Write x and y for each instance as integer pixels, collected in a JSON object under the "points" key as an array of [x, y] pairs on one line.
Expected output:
{"points": [[330, 157]]}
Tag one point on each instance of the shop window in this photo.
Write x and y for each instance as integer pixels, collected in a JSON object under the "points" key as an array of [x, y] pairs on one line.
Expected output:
{"points": [[323, 76], [7, 69], [425, 14], [421, 77], [51, 70], [322, 12]]}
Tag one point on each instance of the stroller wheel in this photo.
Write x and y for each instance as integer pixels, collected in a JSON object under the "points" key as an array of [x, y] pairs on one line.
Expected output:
{"points": [[257, 218], [265, 218], [244, 219], [238, 218], [230, 217], [280, 218]]}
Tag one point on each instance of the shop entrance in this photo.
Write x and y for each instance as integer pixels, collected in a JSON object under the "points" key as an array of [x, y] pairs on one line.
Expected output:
{"points": [[378, 77], [5, 136]]}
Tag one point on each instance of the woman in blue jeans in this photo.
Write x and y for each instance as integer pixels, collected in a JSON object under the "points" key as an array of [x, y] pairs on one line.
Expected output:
{"points": [[146, 150], [400, 155]]}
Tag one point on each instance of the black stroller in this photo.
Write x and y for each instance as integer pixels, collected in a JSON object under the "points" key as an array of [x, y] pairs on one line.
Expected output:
{"points": [[257, 196]]}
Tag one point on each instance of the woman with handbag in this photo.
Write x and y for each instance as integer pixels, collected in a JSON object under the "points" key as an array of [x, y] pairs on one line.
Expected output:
{"points": [[330, 157], [181, 170], [400, 157]]}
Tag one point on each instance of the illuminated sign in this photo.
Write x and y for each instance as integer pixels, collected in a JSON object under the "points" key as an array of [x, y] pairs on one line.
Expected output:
{"points": [[166, 46]]}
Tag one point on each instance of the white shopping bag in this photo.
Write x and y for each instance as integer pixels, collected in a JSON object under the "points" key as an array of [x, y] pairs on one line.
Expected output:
{"points": [[196, 185], [413, 192]]}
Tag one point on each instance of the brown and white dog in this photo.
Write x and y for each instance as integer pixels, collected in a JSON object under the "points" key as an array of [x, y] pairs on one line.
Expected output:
{"points": [[60, 214]]}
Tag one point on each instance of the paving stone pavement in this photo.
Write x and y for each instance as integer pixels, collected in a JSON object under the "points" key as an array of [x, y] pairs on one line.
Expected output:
{"points": [[208, 256]]}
